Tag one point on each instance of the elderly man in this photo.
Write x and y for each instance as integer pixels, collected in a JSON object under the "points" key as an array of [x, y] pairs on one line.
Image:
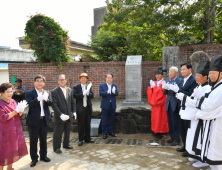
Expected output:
{"points": [[189, 110], [186, 87], [20, 90], [83, 93], [108, 91], [157, 99], [173, 107], [64, 108]]}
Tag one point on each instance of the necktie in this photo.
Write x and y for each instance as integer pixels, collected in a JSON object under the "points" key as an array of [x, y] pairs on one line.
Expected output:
{"points": [[84, 98], [64, 92]]}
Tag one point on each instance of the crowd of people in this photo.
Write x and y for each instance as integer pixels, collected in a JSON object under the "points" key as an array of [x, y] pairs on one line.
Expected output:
{"points": [[187, 109], [193, 110], [38, 118]]}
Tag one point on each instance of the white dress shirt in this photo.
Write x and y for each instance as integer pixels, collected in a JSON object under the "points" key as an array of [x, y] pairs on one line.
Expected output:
{"points": [[185, 79], [109, 88], [83, 87], [41, 103]]}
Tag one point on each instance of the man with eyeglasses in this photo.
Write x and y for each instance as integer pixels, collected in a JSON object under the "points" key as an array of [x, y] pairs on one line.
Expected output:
{"points": [[64, 107], [38, 119]]}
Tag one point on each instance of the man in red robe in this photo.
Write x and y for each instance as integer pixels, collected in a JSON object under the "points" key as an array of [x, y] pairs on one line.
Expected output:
{"points": [[156, 98]]}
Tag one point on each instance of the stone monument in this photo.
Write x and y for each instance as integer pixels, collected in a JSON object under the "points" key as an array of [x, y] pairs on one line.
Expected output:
{"points": [[171, 58], [133, 84]]}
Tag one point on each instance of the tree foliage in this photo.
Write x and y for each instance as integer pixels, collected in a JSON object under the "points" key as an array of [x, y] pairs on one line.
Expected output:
{"points": [[48, 40], [148, 25]]}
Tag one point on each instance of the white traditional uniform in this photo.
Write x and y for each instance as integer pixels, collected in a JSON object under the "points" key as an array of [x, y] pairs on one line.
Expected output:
{"points": [[189, 113], [211, 112]]}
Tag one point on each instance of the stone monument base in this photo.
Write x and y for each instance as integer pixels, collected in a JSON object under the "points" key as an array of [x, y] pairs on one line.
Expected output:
{"points": [[131, 103]]}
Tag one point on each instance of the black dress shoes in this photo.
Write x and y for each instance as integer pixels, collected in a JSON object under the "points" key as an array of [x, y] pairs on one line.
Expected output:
{"points": [[89, 141], [58, 151], [33, 163], [80, 143], [174, 143], [45, 159], [170, 141], [68, 147], [112, 134], [181, 149], [104, 136], [185, 154]]}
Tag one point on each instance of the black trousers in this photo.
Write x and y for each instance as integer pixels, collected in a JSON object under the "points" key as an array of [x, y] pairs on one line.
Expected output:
{"points": [[184, 125], [84, 124], [57, 135], [36, 132]]}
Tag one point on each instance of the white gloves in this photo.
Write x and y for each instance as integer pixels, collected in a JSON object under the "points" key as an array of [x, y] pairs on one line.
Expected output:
{"points": [[152, 84], [174, 87], [40, 97], [179, 96], [89, 86], [64, 117], [21, 106], [74, 114], [197, 92], [85, 92], [109, 91], [45, 96], [87, 89], [165, 85], [114, 90]]}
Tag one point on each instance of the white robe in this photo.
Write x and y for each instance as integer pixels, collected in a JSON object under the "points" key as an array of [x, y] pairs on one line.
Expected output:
{"points": [[189, 114], [211, 112]]}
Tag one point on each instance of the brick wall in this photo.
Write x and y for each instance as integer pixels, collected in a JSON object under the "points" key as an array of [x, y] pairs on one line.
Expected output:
{"points": [[185, 51], [95, 70]]}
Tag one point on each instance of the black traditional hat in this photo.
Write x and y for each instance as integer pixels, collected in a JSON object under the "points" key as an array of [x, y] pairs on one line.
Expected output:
{"points": [[160, 70], [216, 63], [203, 67]]}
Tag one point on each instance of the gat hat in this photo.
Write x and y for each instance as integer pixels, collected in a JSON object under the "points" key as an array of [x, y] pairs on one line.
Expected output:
{"points": [[18, 80], [84, 75], [160, 70], [203, 67], [216, 63]]}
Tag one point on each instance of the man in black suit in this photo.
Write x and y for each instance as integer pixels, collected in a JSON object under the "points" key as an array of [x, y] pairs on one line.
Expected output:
{"points": [[38, 119], [83, 93], [186, 87], [64, 107]]}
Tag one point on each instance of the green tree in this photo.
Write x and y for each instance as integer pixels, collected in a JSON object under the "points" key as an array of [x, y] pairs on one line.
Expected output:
{"points": [[148, 25], [48, 40], [106, 46]]}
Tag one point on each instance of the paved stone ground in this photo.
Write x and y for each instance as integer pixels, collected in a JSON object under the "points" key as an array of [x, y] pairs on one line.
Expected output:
{"points": [[125, 152]]}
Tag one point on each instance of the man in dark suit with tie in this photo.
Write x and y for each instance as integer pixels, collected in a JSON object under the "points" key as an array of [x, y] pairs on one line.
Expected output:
{"points": [[38, 119], [64, 108], [83, 94], [108, 91], [186, 87], [173, 107]]}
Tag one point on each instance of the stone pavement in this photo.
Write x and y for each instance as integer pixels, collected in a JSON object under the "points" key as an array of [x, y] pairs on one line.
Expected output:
{"points": [[125, 152]]}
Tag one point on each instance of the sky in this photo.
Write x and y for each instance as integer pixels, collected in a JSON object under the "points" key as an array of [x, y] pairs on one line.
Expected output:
{"points": [[75, 16]]}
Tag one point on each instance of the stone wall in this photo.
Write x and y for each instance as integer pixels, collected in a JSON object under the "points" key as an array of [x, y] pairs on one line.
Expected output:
{"points": [[95, 70], [129, 120]]}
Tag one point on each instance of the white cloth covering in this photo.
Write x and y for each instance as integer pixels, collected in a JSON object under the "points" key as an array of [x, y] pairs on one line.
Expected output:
{"points": [[211, 113], [189, 114]]}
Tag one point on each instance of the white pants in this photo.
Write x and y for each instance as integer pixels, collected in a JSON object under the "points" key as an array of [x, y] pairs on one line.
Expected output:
{"points": [[215, 167]]}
